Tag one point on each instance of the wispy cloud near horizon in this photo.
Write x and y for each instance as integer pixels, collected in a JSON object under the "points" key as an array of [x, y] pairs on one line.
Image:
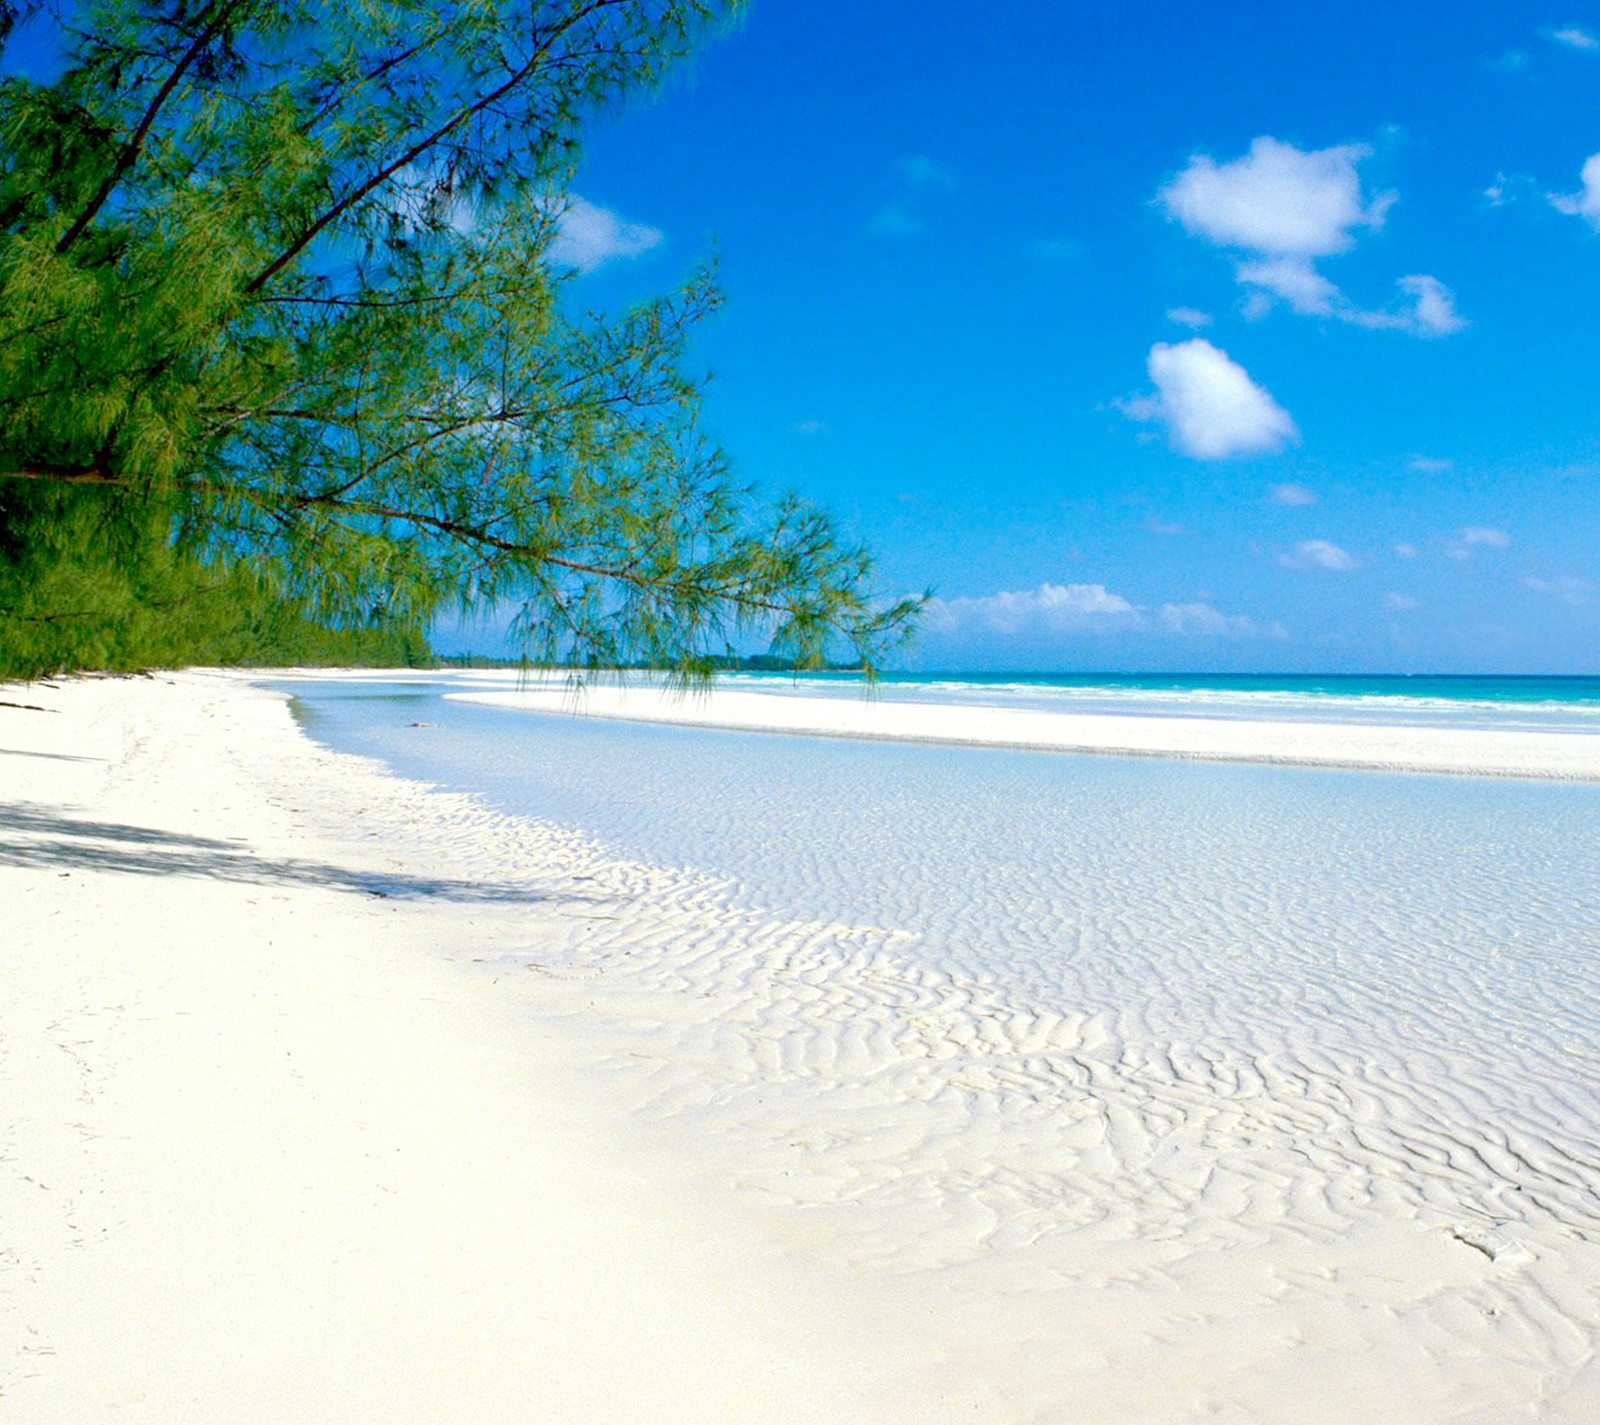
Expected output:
{"points": [[1086, 609], [1319, 554], [1467, 543], [1291, 494]]}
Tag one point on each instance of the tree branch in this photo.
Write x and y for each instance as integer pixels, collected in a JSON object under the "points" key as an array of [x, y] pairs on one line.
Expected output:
{"points": [[422, 145], [95, 474], [132, 148]]}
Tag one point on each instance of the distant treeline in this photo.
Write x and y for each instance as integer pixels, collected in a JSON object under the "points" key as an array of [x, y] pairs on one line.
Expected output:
{"points": [[88, 583], [721, 663]]}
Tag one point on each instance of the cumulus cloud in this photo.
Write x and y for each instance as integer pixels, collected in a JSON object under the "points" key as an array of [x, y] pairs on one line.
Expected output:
{"points": [[1190, 317], [1426, 306], [1319, 554], [1209, 404], [1085, 609], [1283, 208], [1294, 281], [1276, 199], [589, 236], [1469, 541], [1292, 495], [1586, 202], [1569, 588]]}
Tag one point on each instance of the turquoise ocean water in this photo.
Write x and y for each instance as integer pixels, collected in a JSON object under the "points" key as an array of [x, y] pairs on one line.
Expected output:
{"points": [[1510, 702]]}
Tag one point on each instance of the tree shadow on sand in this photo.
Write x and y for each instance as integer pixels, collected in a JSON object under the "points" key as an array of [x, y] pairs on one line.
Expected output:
{"points": [[43, 838]]}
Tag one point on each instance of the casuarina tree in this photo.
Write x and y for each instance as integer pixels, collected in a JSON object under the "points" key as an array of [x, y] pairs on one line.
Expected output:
{"points": [[280, 293]]}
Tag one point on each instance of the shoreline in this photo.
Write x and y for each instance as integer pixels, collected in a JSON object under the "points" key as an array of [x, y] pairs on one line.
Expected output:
{"points": [[276, 1149], [1353, 746], [348, 1098]]}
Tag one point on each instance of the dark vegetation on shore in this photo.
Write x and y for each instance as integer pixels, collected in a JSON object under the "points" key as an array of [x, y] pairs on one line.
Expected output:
{"points": [[82, 587], [721, 663]]}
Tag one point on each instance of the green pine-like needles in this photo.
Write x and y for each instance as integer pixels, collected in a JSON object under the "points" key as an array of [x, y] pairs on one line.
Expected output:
{"points": [[277, 298]]}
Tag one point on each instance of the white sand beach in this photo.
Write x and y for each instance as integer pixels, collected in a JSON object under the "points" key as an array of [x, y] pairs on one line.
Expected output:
{"points": [[326, 1096]]}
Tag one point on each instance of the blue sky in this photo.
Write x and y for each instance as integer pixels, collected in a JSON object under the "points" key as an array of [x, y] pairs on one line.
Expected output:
{"points": [[1152, 336]]}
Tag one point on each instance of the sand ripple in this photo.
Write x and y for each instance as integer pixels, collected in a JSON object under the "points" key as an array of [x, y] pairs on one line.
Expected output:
{"points": [[1275, 1126]]}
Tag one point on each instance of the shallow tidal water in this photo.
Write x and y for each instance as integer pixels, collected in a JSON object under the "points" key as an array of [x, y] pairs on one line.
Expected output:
{"points": [[1215, 896], [1218, 1007]]}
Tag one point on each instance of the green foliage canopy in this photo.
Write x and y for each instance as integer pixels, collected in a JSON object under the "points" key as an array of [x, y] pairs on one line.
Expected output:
{"points": [[277, 283]]}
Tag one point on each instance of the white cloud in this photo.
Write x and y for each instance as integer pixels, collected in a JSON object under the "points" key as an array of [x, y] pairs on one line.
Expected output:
{"points": [[1050, 608], [1085, 609], [1404, 550], [1569, 588], [589, 236], [1189, 317], [422, 199], [1156, 525], [1285, 207], [1295, 281], [1513, 61], [920, 171], [1427, 309], [1470, 540], [1209, 404], [1434, 309], [1319, 554], [1509, 188], [1204, 621], [1427, 465], [1292, 495], [809, 428], [892, 220], [1575, 37], [1401, 602], [919, 176], [1277, 199], [1584, 204]]}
